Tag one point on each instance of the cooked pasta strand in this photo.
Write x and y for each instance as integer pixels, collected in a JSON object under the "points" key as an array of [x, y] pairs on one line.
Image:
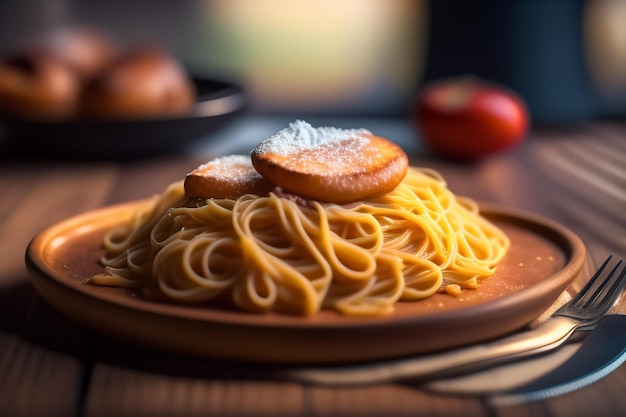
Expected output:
{"points": [[269, 253]]}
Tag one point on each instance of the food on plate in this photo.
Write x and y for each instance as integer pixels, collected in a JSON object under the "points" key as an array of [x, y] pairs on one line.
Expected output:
{"points": [[467, 118], [85, 50], [330, 164], [143, 82], [226, 177], [284, 252], [34, 85]]}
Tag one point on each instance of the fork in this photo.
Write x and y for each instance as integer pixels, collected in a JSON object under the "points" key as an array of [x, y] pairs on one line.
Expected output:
{"points": [[589, 306], [583, 312]]}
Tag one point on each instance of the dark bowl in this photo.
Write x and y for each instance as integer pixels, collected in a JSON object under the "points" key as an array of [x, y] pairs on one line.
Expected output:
{"points": [[218, 102]]}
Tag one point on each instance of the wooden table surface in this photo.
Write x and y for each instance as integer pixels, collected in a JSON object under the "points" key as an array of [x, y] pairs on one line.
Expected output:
{"points": [[51, 366]]}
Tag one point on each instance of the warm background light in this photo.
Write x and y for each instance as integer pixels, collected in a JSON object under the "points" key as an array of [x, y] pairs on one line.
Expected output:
{"points": [[605, 30], [317, 55], [361, 57]]}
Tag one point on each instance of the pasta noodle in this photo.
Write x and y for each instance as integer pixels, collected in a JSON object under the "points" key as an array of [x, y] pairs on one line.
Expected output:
{"points": [[269, 253]]}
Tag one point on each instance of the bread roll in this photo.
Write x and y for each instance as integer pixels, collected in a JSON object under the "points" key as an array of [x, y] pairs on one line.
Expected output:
{"points": [[145, 82], [34, 85]]}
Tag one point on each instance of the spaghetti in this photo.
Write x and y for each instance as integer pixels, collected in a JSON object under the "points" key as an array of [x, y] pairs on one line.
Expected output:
{"points": [[270, 253]]}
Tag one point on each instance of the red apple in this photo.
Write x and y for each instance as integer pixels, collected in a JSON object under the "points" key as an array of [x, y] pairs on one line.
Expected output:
{"points": [[467, 118]]}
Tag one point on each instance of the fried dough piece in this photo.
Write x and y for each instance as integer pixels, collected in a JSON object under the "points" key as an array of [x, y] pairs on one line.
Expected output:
{"points": [[329, 164], [226, 177]]}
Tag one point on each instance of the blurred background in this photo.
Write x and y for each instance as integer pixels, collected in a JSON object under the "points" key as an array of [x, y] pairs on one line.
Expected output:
{"points": [[567, 58]]}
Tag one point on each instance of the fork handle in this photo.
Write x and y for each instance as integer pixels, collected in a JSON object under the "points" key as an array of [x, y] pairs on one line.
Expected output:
{"points": [[551, 334]]}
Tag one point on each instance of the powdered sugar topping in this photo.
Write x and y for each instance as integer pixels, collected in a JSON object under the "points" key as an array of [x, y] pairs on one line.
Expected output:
{"points": [[300, 135], [231, 168]]}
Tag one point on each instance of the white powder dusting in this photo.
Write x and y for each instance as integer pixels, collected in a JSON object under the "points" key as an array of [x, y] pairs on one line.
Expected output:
{"points": [[324, 151], [300, 135], [231, 168]]}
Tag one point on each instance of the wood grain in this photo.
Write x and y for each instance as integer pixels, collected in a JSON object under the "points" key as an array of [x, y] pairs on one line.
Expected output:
{"points": [[50, 366]]}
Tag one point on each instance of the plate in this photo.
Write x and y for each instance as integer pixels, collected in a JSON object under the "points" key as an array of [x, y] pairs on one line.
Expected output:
{"points": [[544, 259], [218, 102]]}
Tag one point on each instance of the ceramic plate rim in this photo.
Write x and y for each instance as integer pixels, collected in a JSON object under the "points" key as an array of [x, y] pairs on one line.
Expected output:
{"points": [[40, 269]]}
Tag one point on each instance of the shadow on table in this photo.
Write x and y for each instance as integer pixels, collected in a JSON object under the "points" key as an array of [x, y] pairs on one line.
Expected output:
{"points": [[24, 313]]}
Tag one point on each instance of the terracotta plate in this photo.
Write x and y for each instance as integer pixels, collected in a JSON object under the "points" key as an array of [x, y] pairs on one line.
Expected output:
{"points": [[544, 260]]}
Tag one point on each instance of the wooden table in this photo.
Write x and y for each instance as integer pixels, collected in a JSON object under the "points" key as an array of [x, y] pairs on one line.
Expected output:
{"points": [[51, 366]]}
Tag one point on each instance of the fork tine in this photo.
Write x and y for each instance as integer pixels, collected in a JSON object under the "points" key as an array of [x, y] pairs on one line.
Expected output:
{"points": [[603, 291], [598, 295], [587, 288]]}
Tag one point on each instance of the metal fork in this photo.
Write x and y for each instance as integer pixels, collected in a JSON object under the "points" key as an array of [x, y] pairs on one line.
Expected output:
{"points": [[583, 312], [589, 306]]}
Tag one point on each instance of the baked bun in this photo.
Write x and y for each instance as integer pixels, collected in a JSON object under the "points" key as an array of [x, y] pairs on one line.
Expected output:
{"points": [[226, 177], [35, 85], [329, 164], [144, 82], [85, 50]]}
